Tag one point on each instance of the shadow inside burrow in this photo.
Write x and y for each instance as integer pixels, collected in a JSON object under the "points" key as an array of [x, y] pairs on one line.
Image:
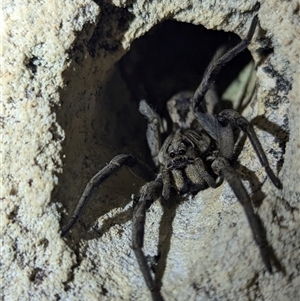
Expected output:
{"points": [[93, 114], [170, 58]]}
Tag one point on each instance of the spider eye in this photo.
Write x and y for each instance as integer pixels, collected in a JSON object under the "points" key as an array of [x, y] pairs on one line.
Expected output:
{"points": [[182, 152], [172, 154]]}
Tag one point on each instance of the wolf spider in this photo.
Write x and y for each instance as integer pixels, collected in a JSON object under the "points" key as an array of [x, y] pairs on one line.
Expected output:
{"points": [[199, 149]]}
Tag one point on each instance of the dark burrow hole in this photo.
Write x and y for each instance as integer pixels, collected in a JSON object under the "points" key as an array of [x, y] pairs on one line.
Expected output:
{"points": [[170, 58]]}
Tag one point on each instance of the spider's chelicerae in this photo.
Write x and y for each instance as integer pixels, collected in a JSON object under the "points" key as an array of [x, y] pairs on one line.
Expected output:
{"points": [[199, 149]]}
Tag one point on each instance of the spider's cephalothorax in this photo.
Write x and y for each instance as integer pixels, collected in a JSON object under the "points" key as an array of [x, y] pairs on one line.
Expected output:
{"points": [[182, 155], [181, 162], [198, 150]]}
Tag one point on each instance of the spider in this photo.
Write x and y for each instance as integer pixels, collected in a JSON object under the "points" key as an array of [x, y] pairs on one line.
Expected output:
{"points": [[198, 152]]}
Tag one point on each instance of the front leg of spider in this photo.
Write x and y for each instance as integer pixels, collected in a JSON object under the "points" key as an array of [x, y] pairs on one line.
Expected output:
{"points": [[226, 119], [148, 194], [136, 166], [221, 166], [233, 118]]}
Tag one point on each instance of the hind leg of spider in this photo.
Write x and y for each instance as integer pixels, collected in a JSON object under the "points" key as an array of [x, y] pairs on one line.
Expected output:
{"points": [[214, 68], [222, 167], [136, 166], [149, 193]]}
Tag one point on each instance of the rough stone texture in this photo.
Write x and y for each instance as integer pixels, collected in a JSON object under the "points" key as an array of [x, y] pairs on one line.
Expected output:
{"points": [[65, 113]]}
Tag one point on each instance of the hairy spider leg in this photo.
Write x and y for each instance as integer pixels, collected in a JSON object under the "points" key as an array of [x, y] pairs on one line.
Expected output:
{"points": [[149, 193], [153, 132], [235, 119], [214, 68], [222, 167], [137, 167], [208, 121]]}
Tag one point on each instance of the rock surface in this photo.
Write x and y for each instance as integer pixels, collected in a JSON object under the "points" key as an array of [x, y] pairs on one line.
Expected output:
{"points": [[66, 111]]}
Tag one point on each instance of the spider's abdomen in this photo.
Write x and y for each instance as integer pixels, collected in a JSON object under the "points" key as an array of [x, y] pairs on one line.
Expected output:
{"points": [[180, 109]]}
